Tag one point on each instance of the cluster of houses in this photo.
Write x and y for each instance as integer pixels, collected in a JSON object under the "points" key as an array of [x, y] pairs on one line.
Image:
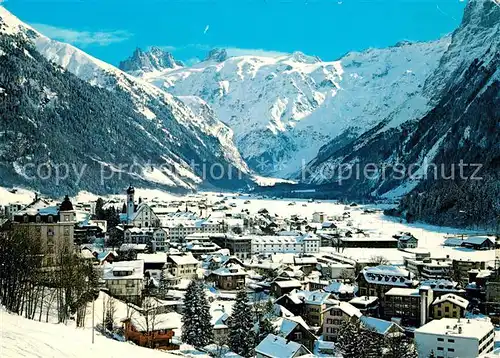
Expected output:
{"points": [[435, 300]]}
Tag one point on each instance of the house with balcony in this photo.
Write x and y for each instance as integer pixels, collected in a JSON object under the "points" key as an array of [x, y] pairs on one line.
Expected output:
{"points": [[125, 280], [231, 277], [336, 316]]}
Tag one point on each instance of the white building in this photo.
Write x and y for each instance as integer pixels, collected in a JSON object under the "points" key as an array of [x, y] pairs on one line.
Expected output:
{"points": [[304, 244], [450, 337], [125, 279], [184, 267], [319, 217], [156, 236]]}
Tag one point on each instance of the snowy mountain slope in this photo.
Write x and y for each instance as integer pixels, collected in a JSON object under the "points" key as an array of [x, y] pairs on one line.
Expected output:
{"points": [[463, 126], [284, 109], [181, 136]]}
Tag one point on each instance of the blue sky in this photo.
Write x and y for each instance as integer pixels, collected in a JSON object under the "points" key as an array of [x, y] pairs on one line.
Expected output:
{"points": [[111, 29]]}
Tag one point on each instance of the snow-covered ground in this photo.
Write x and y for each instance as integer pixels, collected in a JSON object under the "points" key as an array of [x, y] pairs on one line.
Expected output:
{"points": [[21, 337]]}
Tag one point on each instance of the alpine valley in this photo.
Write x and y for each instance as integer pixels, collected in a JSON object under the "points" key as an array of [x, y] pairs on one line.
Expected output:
{"points": [[290, 116]]}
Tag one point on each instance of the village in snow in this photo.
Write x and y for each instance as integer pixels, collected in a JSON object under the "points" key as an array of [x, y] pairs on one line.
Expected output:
{"points": [[229, 274]]}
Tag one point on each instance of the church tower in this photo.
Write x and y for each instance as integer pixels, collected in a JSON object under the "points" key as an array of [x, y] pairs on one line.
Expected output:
{"points": [[130, 203]]}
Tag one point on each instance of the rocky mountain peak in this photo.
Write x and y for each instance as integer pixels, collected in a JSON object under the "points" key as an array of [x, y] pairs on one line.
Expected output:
{"points": [[155, 59], [217, 54]]}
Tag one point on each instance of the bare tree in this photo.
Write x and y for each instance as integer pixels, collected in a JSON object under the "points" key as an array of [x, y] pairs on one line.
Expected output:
{"points": [[378, 260]]}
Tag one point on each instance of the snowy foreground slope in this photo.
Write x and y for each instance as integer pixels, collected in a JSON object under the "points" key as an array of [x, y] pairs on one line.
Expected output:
{"points": [[283, 109], [21, 337]]}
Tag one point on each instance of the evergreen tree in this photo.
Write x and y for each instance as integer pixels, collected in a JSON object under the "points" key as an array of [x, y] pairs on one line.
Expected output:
{"points": [[99, 211], [196, 327], [354, 341], [240, 324], [163, 285], [397, 345]]}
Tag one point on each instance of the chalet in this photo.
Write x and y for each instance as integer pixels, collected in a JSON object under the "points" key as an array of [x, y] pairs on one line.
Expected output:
{"points": [[278, 347], [280, 288], [157, 335], [478, 243], [185, 266], [335, 317], [449, 306], [295, 329], [406, 240], [231, 277], [125, 280]]}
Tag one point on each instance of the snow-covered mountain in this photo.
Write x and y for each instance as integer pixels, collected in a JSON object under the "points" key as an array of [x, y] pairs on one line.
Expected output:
{"points": [[284, 109], [155, 59], [139, 123], [463, 126]]}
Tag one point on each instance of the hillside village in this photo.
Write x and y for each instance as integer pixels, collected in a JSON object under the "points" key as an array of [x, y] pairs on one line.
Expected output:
{"points": [[264, 277]]}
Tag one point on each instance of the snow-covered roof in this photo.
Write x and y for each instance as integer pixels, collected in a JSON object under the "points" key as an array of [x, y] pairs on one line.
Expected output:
{"points": [[379, 325], [184, 259], [400, 291], [364, 300], [161, 321], [456, 300], [288, 324], [135, 269], [230, 270], [159, 257], [477, 240], [340, 287], [278, 347], [472, 328], [347, 308], [288, 283], [388, 275]]}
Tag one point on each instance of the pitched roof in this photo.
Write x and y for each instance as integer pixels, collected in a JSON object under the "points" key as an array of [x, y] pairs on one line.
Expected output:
{"points": [[378, 325], [456, 300], [279, 347]]}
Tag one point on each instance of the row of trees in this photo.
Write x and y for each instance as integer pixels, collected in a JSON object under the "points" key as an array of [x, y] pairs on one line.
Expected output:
{"points": [[29, 287], [248, 324]]}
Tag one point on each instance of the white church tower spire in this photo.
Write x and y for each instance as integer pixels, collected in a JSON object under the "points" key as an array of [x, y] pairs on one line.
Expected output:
{"points": [[130, 203]]}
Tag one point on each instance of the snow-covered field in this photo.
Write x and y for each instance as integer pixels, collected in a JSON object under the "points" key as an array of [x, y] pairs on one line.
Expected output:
{"points": [[21, 337]]}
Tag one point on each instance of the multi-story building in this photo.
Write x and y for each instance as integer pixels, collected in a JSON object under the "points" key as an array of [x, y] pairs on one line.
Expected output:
{"points": [[185, 266], [461, 269], [411, 305], [336, 316], [154, 236], [125, 279], [303, 244], [428, 268], [231, 277], [376, 281], [53, 226], [449, 306], [450, 337], [239, 246]]}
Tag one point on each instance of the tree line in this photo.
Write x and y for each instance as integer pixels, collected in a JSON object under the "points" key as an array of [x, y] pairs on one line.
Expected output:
{"points": [[32, 288]]}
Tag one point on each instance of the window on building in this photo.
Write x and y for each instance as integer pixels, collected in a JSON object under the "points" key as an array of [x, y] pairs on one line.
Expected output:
{"points": [[50, 219], [440, 348], [440, 339]]}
